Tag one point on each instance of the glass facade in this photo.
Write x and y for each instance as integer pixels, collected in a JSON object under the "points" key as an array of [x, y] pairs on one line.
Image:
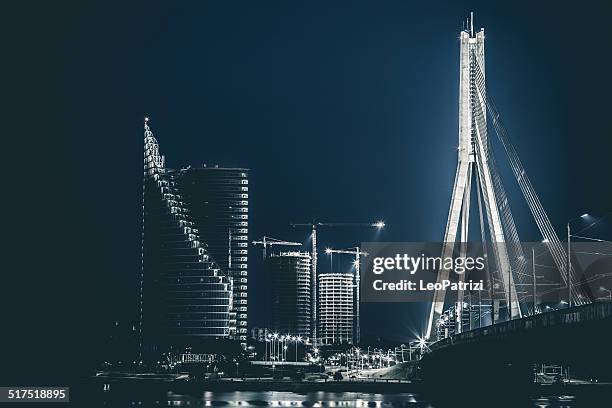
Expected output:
{"points": [[290, 292], [219, 205], [193, 277]]}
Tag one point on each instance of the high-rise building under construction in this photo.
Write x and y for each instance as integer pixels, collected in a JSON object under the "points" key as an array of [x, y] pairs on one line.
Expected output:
{"points": [[290, 284], [336, 308]]}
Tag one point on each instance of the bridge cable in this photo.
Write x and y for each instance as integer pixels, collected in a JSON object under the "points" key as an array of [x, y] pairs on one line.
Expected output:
{"points": [[533, 201]]}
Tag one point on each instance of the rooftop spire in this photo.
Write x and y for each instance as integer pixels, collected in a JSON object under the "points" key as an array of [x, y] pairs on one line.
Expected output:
{"points": [[146, 126], [154, 161], [471, 23]]}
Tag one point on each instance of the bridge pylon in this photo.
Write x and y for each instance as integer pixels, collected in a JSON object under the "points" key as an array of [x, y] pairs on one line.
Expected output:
{"points": [[476, 169]]}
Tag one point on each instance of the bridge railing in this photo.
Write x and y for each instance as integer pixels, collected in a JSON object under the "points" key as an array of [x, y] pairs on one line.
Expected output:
{"points": [[590, 312]]}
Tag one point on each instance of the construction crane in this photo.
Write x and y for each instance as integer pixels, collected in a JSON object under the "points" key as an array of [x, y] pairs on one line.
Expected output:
{"points": [[268, 242], [358, 253], [313, 274]]}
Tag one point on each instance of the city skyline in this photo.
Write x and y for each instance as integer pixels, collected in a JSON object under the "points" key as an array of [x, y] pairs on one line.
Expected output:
{"points": [[341, 115], [263, 224]]}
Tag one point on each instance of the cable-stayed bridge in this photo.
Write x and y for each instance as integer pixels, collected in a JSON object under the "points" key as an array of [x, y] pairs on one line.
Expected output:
{"points": [[516, 323]]}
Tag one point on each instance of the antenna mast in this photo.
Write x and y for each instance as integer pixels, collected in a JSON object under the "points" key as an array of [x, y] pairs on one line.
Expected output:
{"points": [[471, 23]]}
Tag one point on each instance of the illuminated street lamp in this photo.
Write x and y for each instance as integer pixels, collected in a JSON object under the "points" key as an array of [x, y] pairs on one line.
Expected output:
{"points": [[298, 339], [281, 347], [275, 345], [603, 289], [267, 353], [569, 259]]}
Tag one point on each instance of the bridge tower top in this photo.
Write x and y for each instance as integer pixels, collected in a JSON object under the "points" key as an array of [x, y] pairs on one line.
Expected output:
{"points": [[468, 29]]}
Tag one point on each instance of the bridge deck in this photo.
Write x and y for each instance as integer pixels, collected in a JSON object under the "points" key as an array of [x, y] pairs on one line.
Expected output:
{"points": [[586, 313]]}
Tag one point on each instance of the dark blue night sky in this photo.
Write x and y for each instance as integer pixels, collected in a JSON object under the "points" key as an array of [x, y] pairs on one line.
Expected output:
{"points": [[343, 111]]}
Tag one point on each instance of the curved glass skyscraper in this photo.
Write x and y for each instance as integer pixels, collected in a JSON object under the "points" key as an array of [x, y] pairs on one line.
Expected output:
{"points": [[190, 255]]}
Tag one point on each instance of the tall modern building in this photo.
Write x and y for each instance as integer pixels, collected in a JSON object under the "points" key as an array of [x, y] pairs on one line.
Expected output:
{"points": [[336, 308], [290, 292], [219, 205], [194, 271]]}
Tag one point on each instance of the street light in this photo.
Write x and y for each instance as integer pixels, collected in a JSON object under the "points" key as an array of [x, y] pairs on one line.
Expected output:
{"points": [[534, 283], [268, 340], [275, 344], [282, 348], [569, 259], [298, 339], [606, 290]]}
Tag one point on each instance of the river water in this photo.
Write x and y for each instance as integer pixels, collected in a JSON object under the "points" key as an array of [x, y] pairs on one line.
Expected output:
{"points": [[245, 399]]}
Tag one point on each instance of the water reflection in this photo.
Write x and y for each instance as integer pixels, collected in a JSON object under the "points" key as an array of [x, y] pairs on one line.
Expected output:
{"points": [[332, 399], [291, 399]]}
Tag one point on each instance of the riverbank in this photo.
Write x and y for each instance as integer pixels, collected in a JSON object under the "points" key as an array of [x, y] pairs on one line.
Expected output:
{"points": [[176, 384]]}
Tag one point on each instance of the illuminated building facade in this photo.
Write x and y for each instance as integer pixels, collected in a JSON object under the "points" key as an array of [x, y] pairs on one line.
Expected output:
{"points": [[194, 249]]}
